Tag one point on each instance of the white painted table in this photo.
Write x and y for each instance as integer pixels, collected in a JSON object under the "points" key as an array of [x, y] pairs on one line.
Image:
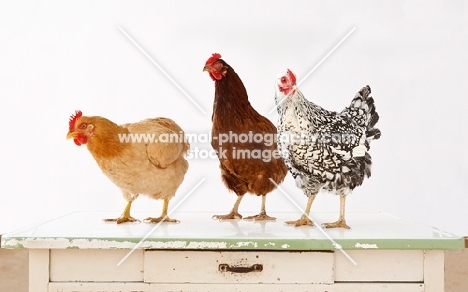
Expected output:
{"points": [[78, 252]]}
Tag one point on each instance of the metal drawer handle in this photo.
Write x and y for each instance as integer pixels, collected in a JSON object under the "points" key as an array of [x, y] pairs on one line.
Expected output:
{"points": [[227, 268]]}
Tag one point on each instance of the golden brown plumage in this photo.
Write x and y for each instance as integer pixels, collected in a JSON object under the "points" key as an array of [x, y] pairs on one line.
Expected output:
{"points": [[146, 167], [234, 116]]}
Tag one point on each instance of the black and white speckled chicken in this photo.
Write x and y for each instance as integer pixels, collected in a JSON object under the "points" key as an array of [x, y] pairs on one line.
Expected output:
{"points": [[324, 149]]}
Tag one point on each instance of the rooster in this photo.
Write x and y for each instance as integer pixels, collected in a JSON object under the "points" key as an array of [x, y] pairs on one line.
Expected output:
{"points": [[242, 170], [151, 168], [324, 149]]}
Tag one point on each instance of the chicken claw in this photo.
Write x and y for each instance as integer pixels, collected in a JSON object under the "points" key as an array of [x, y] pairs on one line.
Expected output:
{"points": [[341, 222], [164, 217], [121, 219], [234, 214], [125, 217], [260, 217], [336, 224], [304, 221], [231, 215], [160, 219]]}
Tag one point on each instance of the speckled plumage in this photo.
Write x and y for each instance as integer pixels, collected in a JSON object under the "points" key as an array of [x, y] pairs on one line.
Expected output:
{"points": [[323, 155], [325, 149]]}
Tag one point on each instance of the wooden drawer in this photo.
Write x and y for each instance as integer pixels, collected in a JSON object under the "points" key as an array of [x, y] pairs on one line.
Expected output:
{"points": [[238, 267], [97, 265], [380, 266], [285, 267]]}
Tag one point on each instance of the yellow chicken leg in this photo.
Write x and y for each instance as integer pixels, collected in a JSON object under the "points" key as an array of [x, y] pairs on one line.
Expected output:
{"points": [[262, 215], [341, 223], [163, 217], [125, 217], [304, 220], [234, 214]]}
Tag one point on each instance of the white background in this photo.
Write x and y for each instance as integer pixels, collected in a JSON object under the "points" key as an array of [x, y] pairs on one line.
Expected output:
{"points": [[59, 56]]}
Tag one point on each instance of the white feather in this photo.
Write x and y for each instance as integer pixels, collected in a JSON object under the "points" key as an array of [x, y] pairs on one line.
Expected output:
{"points": [[359, 151]]}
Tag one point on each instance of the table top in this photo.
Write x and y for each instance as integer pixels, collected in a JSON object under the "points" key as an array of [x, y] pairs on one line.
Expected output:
{"points": [[198, 231]]}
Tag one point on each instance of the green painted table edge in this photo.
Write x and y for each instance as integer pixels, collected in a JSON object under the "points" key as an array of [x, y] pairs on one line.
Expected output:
{"points": [[255, 244], [278, 238]]}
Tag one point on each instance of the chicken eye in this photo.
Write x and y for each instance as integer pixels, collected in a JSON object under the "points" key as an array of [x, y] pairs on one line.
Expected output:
{"points": [[283, 79], [83, 126]]}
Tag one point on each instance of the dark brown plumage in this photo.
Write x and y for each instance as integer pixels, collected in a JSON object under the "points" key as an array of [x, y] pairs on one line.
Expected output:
{"points": [[246, 166]]}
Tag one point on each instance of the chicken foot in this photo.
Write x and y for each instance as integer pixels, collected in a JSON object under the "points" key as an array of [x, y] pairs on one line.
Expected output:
{"points": [[304, 220], [262, 215], [234, 214], [125, 217], [163, 217], [341, 222]]}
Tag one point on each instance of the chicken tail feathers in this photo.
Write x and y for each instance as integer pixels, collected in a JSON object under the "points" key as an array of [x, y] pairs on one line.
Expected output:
{"points": [[365, 105]]}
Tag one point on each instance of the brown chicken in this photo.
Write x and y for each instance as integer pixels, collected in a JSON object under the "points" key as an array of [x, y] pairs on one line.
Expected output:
{"points": [[244, 140], [139, 158]]}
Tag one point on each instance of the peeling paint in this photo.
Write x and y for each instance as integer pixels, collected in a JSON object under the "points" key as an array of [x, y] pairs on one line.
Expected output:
{"points": [[164, 245], [285, 245], [245, 244], [12, 243], [366, 245], [206, 244]]}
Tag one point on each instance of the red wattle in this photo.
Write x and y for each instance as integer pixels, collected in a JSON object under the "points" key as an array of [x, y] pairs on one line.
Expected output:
{"points": [[216, 76], [80, 140]]}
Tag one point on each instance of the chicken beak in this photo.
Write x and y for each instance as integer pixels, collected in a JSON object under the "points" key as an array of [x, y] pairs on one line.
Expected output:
{"points": [[71, 134], [206, 69]]}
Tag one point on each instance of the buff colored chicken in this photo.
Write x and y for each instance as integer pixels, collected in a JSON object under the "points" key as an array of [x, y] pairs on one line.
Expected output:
{"points": [[142, 166]]}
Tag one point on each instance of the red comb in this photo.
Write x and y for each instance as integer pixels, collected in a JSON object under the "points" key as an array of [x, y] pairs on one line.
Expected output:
{"points": [[73, 119], [213, 59], [292, 76]]}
